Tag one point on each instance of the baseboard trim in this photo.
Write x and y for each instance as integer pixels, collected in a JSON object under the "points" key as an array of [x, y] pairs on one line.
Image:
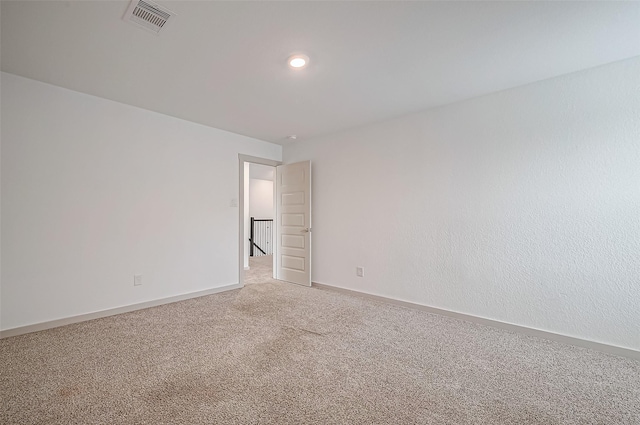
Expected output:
{"points": [[578, 342], [113, 311]]}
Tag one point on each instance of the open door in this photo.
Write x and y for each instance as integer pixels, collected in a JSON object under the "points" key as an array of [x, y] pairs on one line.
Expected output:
{"points": [[293, 233]]}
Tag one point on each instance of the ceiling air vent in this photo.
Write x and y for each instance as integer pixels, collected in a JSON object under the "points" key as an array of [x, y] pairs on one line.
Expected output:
{"points": [[148, 15]]}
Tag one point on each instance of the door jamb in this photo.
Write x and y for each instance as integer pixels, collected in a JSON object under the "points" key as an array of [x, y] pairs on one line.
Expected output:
{"points": [[241, 234]]}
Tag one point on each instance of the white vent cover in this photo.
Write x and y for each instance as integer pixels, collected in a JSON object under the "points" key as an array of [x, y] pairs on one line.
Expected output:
{"points": [[148, 15]]}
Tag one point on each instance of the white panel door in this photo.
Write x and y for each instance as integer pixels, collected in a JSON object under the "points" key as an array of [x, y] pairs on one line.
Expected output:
{"points": [[293, 209]]}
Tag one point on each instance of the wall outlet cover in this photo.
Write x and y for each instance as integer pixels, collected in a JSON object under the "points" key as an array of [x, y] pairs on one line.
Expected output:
{"points": [[137, 279]]}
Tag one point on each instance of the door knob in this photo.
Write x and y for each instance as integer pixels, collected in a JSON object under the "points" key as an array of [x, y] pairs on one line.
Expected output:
{"points": [[306, 230]]}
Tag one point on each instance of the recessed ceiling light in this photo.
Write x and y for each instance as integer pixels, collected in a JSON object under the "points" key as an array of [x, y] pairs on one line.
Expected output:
{"points": [[292, 137], [298, 61]]}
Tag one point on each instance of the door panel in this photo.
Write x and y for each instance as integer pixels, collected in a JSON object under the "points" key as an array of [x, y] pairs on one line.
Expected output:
{"points": [[293, 207]]}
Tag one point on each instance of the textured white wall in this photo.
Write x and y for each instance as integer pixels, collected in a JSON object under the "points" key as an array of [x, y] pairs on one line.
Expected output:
{"points": [[94, 191], [521, 206], [261, 198]]}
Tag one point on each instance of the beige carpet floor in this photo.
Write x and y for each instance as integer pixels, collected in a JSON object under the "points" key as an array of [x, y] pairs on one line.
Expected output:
{"points": [[260, 269], [277, 353]]}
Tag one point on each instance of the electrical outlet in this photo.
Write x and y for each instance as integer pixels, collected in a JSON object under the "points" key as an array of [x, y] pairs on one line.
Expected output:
{"points": [[360, 271], [137, 279]]}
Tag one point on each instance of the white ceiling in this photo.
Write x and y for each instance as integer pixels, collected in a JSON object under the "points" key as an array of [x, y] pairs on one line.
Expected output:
{"points": [[223, 64]]}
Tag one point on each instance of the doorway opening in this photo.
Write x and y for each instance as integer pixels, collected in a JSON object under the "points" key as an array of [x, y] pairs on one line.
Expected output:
{"points": [[289, 229], [255, 268], [261, 229]]}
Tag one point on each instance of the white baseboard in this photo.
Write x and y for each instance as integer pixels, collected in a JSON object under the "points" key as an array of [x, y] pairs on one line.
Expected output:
{"points": [[113, 311], [578, 342]]}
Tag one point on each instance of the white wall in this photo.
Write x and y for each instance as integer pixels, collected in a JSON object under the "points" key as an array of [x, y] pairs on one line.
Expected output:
{"points": [[261, 171], [94, 191], [261, 198], [521, 206]]}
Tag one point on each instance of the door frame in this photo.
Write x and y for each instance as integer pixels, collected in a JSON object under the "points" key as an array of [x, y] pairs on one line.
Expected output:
{"points": [[241, 230]]}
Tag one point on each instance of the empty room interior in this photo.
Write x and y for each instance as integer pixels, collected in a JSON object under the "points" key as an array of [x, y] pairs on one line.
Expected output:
{"points": [[320, 212]]}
